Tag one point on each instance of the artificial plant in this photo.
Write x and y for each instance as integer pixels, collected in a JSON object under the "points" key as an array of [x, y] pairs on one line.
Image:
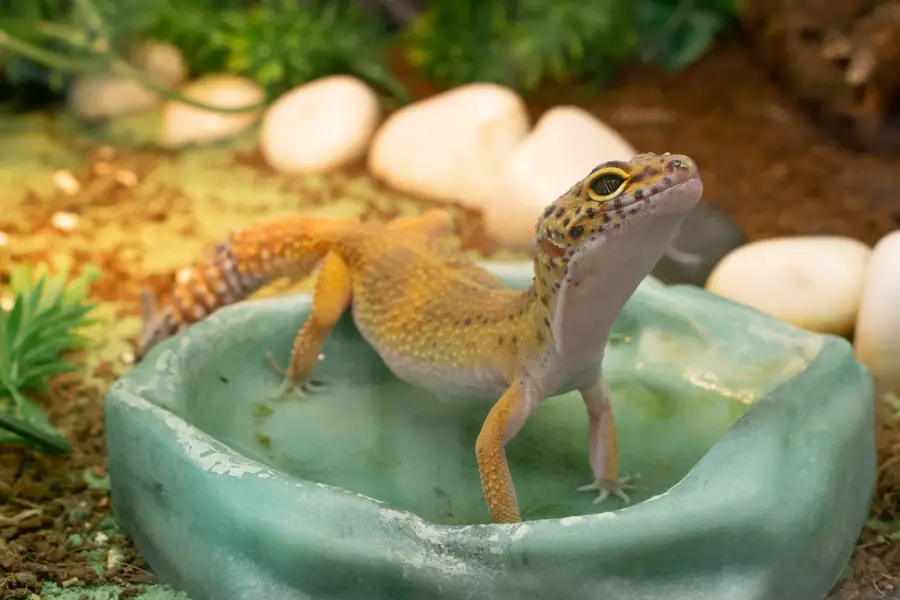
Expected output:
{"points": [[284, 43], [277, 43], [523, 43], [36, 333], [676, 33]]}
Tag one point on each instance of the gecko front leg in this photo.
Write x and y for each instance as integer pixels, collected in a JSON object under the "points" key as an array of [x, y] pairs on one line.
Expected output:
{"points": [[503, 422], [331, 297], [604, 446]]}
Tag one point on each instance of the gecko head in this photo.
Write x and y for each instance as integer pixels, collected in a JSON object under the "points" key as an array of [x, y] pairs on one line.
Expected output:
{"points": [[616, 196]]}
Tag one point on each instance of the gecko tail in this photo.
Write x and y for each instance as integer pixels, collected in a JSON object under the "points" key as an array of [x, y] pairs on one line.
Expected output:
{"points": [[235, 268]]}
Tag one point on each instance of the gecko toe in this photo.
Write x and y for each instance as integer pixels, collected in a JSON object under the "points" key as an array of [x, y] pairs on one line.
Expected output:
{"points": [[295, 389], [616, 487], [314, 385], [290, 389], [292, 386]]}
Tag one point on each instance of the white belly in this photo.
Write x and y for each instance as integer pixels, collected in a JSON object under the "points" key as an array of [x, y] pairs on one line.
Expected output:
{"points": [[548, 374], [469, 382], [478, 382]]}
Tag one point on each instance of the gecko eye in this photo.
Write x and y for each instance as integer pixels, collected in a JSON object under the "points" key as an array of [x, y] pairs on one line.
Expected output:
{"points": [[606, 184]]}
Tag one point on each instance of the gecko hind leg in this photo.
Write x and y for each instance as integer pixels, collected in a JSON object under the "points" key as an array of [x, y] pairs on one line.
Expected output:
{"points": [[331, 297], [604, 447], [433, 223]]}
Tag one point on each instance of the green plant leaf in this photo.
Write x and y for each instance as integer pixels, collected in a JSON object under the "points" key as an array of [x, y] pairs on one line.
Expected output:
{"points": [[676, 33], [11, 323], [32, 428], [37, 332], [37, 376], [522, 43]]}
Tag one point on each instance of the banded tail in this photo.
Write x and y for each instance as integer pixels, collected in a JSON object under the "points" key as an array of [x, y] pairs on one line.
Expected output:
{"points": [[247, 260]]}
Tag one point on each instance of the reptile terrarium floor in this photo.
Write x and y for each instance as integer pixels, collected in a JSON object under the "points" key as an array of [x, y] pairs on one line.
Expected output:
{"points": [[763, 163]]}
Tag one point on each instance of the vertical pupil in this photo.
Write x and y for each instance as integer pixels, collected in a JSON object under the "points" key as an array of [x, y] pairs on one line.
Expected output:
{"points": [[607, 184]]}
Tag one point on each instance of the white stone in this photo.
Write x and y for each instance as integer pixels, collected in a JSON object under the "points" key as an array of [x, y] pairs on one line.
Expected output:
{"points": [[877, 337], [451, 146], [184, 124], [99, 96], [566, 143], [161, 62], [321, 125], [105, 95], [812, 282]]}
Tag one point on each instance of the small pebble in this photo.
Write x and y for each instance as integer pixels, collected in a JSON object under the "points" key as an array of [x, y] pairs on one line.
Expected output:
{"points": [[812, 282], [451, 146], [706, 236], [161, 62], [66, 182], [103, 95], [319, 126], [877, 337], [65, 221]]}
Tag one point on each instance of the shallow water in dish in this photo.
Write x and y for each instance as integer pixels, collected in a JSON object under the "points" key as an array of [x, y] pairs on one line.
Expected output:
{"points": [[676, 390]]}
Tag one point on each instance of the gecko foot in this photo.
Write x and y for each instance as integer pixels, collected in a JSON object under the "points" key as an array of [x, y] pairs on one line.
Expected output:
{"points": [[300, 389], [294, 387], [615, 487]]}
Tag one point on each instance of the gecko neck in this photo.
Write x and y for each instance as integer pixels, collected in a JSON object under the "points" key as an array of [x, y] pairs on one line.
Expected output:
{"points": [[583, 296]]}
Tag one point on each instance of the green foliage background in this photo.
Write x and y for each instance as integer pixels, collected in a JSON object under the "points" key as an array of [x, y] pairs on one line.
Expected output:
{"points": [[284, 43]]}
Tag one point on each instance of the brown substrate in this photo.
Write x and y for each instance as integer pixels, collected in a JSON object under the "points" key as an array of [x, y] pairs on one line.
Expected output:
{"points": [[56, 514], [841, 58], [763, 163]]}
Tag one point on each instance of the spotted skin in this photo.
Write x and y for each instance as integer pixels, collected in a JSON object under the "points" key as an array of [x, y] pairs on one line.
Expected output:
{"points": [[441, 322]]}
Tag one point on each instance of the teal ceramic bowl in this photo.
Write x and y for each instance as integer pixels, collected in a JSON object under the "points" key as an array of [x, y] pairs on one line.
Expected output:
{"points": [[753, 440]]}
